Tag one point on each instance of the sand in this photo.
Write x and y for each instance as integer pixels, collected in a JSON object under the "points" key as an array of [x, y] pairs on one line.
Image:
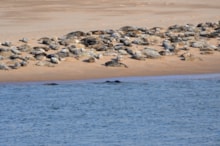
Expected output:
{"points": [[37, 18]]}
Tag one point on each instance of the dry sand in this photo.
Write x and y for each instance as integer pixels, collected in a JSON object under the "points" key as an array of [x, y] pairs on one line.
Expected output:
{"points": [[37, 18]]}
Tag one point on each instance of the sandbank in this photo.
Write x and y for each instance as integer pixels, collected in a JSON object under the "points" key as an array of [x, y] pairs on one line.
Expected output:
{"points": [[35, 19]]}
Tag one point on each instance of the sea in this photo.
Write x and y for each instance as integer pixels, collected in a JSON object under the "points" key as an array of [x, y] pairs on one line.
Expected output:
{"points": [[181, 110]]}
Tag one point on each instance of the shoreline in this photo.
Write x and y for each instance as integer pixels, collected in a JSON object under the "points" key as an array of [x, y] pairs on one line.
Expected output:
{"points": [[122, 79]]}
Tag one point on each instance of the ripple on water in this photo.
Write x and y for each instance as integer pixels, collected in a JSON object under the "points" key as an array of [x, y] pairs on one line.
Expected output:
{"points": [[137, 111]]}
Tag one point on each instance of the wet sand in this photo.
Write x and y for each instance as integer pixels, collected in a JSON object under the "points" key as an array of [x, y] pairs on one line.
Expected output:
{"points": [[35, 19]]}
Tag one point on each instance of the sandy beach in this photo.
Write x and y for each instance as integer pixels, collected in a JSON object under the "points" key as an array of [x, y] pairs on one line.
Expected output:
{"points": [[46, 18]]}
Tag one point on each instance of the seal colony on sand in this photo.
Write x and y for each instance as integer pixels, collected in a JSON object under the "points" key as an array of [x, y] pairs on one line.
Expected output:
{"points": [[128, 42]]}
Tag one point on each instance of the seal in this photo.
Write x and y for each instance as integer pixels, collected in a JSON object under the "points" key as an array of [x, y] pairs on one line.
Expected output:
{"points": [[115, 63]]}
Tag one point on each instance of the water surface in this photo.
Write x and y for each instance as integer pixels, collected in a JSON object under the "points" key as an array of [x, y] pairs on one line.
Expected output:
{"points": [[155, 111]]}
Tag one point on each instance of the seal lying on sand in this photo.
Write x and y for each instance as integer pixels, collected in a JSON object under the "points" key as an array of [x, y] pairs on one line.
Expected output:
{"points": [[115, 63]]}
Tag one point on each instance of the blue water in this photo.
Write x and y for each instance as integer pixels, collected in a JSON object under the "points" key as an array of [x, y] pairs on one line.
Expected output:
{"points": [[147, 111]]}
